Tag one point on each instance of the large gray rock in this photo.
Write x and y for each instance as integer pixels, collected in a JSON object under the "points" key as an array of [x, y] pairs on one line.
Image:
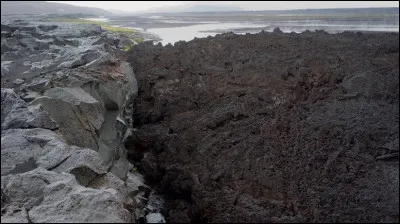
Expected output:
{"points": [[109, 180], [5, 65], [27, 41], [121, 168], [18, 81], [68, 30], [78, 114], [9, 101], [79, 204], [155, 218], [53, 197], [45, 28], [28, 117], [30, 96], [135, 183], [16, 114], [42, 44], [26, 190], [84, 164], [15, 216], [37, 85], [24, 149]]}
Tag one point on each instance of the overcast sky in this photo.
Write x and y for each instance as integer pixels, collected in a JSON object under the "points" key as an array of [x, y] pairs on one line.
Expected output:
{"points": [[246, 5]]}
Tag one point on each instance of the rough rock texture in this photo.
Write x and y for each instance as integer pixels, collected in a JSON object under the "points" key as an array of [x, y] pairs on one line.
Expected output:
{"points": [[272, 127], [15, 113], [134, 183], [109, 180], [23, 150], [78, 114], [29, 117], [57, 197], [64, 124], [32, 48], [9, 101], [85, 164]]}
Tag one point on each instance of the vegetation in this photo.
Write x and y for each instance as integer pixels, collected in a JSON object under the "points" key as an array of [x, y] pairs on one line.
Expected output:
{"points": [[137, 39], [121, 30], [113, 29], [127, 47], [118, 29], [134, 40]]}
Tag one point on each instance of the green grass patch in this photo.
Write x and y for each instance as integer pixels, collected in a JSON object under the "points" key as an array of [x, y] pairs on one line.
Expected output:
{"points": [[118, 29], [113, 29], [127, 48], [137, 39], [134, 40]]}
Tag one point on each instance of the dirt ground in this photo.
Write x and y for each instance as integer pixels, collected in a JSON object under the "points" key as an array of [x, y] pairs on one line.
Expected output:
{"points": [[271, 127]]}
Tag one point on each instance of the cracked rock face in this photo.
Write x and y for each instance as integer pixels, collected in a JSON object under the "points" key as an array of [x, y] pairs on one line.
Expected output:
{"points": [[62, 152], [24, 149], [17, 114], [78, 114]]}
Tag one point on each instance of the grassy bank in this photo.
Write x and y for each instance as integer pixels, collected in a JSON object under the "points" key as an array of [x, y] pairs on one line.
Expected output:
{"points": [[130, 33], [113, 29]]}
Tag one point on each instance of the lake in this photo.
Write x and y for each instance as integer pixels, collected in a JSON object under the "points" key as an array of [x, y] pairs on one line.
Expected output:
{"points": [[173, 27]]}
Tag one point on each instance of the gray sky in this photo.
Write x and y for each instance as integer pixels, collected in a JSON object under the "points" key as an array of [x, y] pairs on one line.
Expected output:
{"points": [[246, 5]]}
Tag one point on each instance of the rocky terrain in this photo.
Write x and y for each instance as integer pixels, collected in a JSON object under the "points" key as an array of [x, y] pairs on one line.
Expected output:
{"points": [[271, 127], [66, 110], [267, 127]]}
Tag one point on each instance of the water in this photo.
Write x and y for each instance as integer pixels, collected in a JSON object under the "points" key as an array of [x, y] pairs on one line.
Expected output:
{"points": [[174, 27], [100, 19], [187, 33]]}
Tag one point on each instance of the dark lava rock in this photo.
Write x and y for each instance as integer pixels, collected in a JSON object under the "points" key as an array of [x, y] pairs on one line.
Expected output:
{"points": [[277, 30], [273, 128]]}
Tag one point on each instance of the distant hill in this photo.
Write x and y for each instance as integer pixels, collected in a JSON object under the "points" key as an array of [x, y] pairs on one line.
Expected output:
{"points": [[42, 7], [193, 8], [333, 11], [211, 8]]}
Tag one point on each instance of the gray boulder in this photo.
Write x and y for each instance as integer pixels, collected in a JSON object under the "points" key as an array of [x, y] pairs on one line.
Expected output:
{"points": [[27, 41], [18, 81], [26, 190], [78, 114], [109, 180], [37, 85], [15, 216], [16, 114], [121, 167], [42, 45], [59, 41], [5, 65], [53, 197], [155, 218], [78, 204], [23, 150], [9, 100], [68, 30], [45, 28], [135, 183], [277, 30], [28, 117], [30, 96], [84, 164]]}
